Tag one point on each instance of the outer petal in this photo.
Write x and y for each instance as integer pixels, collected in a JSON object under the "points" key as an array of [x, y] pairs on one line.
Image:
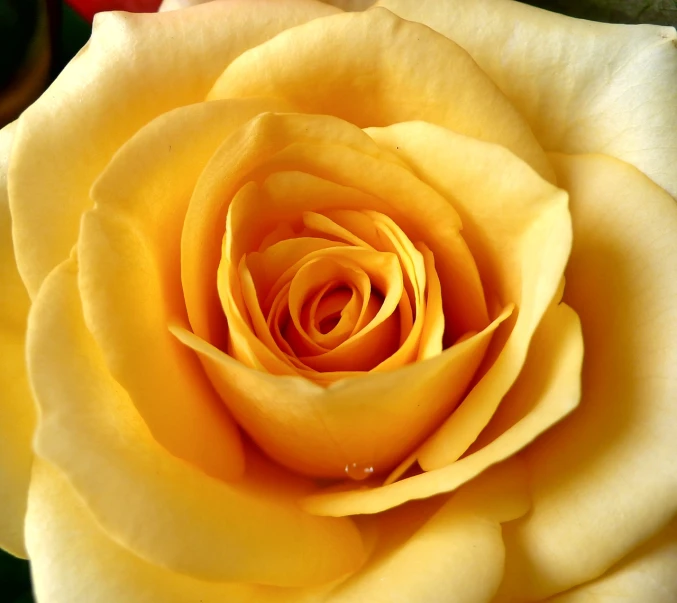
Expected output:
{"points": [[75, 561], [605, 480], [130, 285], [519, 230], [583, 87], [384, 70], [157, 505], [160, 62], [454, 555], [423, 551], [17, 415], [649, 574]]}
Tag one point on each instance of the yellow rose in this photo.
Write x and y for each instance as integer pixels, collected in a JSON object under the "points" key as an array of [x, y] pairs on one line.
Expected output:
{"points": [[344, 307]]}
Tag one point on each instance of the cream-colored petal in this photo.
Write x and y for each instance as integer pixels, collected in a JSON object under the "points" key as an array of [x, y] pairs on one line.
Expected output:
{"points": [[547, 390], [649, 574], [605, 479], [456, 555], [160, 61], [160, 507], [17, 413], [384, 70], [75, 561], [518, 229], [423, 551], [583, 87], [369, 421]]}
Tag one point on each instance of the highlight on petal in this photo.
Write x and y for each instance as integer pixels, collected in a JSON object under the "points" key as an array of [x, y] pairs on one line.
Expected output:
{"points": [[161, 61], [406, 72], [609, 469], [549, 66], [17, 413], [156, 505], [129, 279], [547, 390], [648, 574], [518, 229]]}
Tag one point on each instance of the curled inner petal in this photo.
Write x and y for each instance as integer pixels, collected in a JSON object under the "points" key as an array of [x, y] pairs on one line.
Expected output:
{"points": [[345, 292]]}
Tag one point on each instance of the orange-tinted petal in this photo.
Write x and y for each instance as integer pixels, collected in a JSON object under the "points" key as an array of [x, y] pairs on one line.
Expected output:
{"points": [[518, 228], [547, 390], [369, 421]]}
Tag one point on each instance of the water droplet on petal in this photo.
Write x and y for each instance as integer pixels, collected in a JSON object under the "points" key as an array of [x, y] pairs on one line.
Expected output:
{"points": [[359, 471]]}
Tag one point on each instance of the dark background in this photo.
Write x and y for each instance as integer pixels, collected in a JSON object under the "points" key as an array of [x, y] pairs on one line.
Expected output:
{"points": [[70, 27]]}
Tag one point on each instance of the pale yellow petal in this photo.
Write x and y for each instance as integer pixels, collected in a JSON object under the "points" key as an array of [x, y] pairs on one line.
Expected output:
{"points": [[605, 479], [75, 561], [384, 70], [547, 390], [518, 229], [648, 575], [583, 87], [160, 507], [422, 552], [160, 62], [456, 554], [17, 413]]}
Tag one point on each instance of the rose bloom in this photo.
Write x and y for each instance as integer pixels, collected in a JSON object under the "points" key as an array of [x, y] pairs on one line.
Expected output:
{"points": [[304, 305]]}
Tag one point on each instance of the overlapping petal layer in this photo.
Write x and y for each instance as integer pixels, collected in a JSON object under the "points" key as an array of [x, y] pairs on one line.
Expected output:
{"points": [[129, 278], [273, 192], [328, 149], [174, 515], [518, 229], [71, 132], [648, 574], [384, 70], [549, 66], [605, 480], [72, 557], [547, 391], [390, 288]]}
